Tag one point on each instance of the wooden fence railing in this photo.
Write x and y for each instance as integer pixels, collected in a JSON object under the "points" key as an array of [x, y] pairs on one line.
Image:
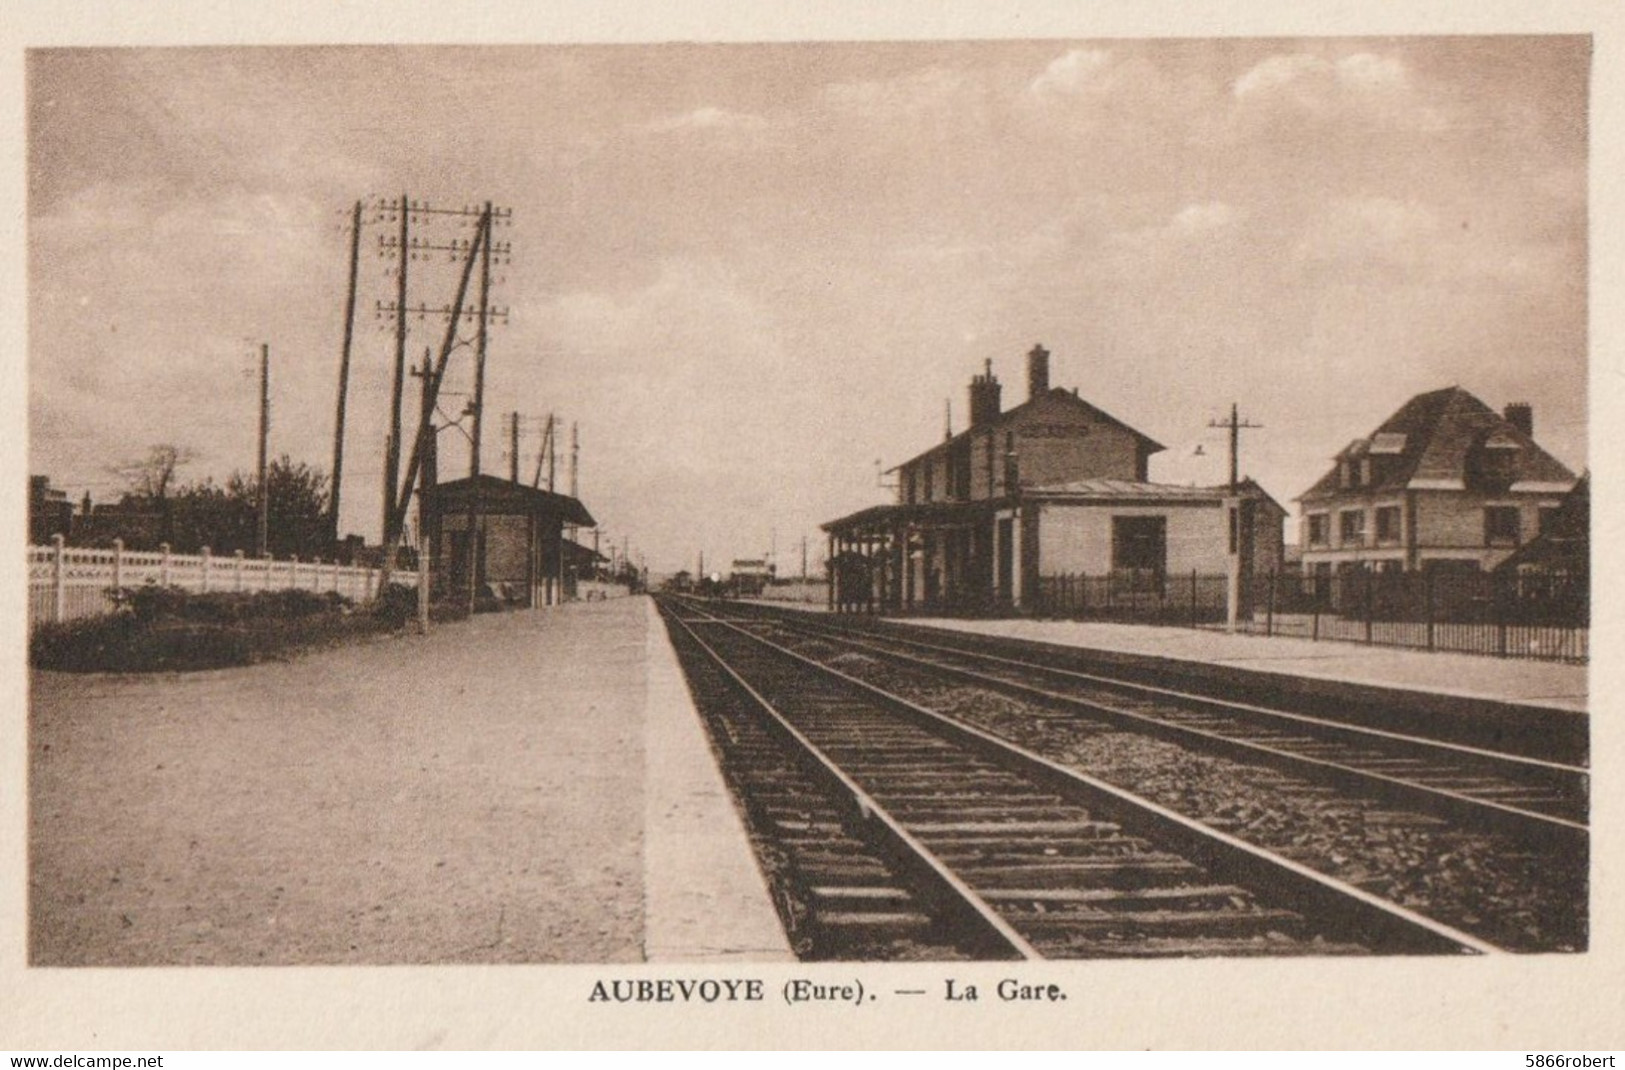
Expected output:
{"points": [[65, 582]]}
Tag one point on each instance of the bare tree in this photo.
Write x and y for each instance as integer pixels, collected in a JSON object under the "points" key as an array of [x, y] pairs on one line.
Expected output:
{"points": [[154, 475]]}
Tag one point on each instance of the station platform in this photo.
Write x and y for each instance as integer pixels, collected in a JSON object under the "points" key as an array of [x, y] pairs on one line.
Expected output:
{"points": [[1516, 681], [527, 787], [1512, 681]]}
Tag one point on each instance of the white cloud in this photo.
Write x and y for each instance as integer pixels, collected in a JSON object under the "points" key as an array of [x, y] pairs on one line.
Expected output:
{"points": [[1196, 218], [1362, 87], [1279, 72], [1077, 71], [1379, 238], [707, 118], [910, 94], [1193, 222]]}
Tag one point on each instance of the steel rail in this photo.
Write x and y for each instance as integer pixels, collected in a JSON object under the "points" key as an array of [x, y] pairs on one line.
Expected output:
{"points": [[1498, 816], [989, 931], [1351, 911]]}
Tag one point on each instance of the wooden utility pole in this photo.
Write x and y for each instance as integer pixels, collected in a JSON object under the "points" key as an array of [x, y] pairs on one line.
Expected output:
{"points": [[1235, 425], [479, 417], [392, 457], [479, 352], [481, 234], [552, 455], [575, 457], [426, 478], [344, 376], [513, 447], [262, 527]]}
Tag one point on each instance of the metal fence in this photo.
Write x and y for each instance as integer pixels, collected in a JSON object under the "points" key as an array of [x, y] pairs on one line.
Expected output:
{"points": [[66, 582], [1134, 596], [1543, 615]]}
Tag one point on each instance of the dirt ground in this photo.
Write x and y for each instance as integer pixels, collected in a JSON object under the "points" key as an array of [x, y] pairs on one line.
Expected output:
{"points": [[472, 796]]}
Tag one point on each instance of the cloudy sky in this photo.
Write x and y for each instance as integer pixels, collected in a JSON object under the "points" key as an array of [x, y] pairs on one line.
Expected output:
{"points": [[748, 271]]}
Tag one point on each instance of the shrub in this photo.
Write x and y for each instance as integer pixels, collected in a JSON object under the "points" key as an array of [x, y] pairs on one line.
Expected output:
{"points": [[84, 645], [157, 629], [396, 605]]}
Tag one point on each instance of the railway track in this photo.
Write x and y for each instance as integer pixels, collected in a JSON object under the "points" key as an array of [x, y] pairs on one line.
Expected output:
{"points": [[890, 831], [1544, 802]]}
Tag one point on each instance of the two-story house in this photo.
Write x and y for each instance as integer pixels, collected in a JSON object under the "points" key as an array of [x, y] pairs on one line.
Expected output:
{"points": [[1445, 482]]}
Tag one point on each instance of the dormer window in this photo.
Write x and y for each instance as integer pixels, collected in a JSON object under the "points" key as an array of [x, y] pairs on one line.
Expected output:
{"points": [[1496, 462]]}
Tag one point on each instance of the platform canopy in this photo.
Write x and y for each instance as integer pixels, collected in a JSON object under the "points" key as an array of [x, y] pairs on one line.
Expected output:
{"points": [[921, 514]]}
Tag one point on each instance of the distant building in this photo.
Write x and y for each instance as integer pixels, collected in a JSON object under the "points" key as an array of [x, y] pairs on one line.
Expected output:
{"points": [[1445, 482], [749, 577], [50, 512], [1053, 486]]}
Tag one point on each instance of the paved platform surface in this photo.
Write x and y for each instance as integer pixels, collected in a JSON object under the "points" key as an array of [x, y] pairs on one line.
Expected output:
{"points": [[1539, 683], [526, 787]]}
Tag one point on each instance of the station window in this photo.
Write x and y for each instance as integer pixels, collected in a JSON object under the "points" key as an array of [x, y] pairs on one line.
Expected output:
{"points": [[1351, 527], [1501, 525], [1140, 543], [1388, 524]]}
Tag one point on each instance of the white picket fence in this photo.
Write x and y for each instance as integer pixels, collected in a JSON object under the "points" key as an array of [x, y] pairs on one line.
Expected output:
{"points": [[65, 582]]}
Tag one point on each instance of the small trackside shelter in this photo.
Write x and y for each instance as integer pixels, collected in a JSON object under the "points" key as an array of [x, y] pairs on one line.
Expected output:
{"points": [[520, 555]]}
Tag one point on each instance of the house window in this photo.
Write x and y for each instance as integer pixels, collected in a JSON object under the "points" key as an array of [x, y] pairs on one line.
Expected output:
{"points": [[930, 480], [1501, 525], [1548, 517], [1351, 527], [1388, 524], [1140, 543], [908, 482], [1317, 529], [1497, 466]]}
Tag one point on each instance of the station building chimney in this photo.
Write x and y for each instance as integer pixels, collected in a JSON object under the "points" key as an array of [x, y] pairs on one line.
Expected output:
{"points": [[1521, 414], [1037, 373], [984, 397]]}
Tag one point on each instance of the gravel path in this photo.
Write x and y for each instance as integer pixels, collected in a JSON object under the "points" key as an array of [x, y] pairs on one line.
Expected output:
{"points": [[466, 797]]}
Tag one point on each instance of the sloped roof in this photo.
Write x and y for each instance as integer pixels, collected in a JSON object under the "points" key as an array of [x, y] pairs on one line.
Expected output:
{"points": [[1055, 393], [1441, 428], [493, 493], [1125, 489], [1121, 490]]}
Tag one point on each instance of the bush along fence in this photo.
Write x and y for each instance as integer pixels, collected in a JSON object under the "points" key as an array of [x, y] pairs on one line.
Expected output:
{"points": [[67, 582], [1544, 615]]}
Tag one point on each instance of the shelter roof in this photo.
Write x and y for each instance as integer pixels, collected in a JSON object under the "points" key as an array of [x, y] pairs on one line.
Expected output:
{"points": [[493, 495]]}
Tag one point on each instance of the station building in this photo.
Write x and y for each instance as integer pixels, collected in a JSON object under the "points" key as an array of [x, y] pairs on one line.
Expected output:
{"points": [[519, 554], [1052, 486]]}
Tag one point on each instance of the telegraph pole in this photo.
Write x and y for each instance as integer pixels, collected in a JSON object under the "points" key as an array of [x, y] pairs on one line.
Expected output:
{"points": [[392, 458], [426, 480], [479, 249], [262, 527], [513, 447], [575, 457], [552, 455], [1235, 425], [344, 375]]}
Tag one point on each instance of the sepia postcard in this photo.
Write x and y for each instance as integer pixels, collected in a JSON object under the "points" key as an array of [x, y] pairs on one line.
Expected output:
{"points": [[927, 527]]}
